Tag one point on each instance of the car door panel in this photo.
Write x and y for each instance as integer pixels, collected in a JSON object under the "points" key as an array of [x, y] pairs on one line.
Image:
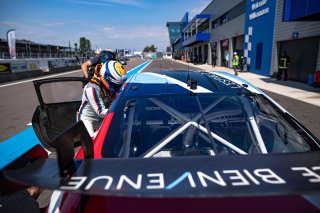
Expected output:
{"points": [[59, 100]]}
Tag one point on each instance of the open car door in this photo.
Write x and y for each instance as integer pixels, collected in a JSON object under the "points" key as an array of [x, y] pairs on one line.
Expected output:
{"points": [[59, 100]]}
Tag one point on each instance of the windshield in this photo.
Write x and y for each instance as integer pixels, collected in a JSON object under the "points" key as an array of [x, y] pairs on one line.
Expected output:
{"points": [[206, 124]]}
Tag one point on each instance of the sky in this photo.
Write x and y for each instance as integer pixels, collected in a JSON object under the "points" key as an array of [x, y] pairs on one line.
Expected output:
{"points": [[115, 24]]}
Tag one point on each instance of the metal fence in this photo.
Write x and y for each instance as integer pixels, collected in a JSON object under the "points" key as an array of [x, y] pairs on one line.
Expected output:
{"points": [[6, 55]]}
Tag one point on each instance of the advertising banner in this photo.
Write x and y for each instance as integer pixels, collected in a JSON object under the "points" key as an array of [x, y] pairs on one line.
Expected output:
{"points": [[5, 68], [11, 37]]}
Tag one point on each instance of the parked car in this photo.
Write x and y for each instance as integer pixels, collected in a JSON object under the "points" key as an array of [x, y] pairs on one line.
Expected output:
{"points": [[174, 140]]}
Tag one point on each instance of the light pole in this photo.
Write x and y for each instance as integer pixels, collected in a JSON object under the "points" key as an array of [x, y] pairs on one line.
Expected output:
{"points": [[75, 47]]}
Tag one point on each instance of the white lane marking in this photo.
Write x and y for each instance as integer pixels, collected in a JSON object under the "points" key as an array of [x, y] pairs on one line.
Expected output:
{"points": [[33, 79]]}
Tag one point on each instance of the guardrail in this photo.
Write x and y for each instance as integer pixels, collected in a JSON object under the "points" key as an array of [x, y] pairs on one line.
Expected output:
{"points": [[26, 55]]}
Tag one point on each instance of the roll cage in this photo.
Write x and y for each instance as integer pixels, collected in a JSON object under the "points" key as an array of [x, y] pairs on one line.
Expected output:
{"points": [[227, 123]]}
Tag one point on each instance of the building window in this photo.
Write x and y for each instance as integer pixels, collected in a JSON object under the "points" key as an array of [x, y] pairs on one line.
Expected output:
{"points": [[204, 27], [215, 23], [175, 30], [224, 18], [237, 10], [233, 13]]}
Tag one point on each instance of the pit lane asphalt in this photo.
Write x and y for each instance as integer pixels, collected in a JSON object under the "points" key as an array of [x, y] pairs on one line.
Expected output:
{"points": [[19, 101]]}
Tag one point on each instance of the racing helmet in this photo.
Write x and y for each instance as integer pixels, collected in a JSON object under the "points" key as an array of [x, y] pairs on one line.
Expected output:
{"points": [[112, 71], [107, 54]]}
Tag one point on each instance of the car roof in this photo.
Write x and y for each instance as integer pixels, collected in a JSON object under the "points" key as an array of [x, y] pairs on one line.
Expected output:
{"points": [[176, 82]]}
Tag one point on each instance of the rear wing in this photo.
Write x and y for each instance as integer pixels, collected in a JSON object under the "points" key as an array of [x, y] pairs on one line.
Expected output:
{"points": [[218, 176], [17, 146], [16, 152], [202, 176]]}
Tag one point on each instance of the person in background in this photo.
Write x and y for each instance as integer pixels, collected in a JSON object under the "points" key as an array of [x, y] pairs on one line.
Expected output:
{"points": [[242, 63], [227, 60], [235, 63], [283, 63], [106, 82], [88, 66], [214, 59]]}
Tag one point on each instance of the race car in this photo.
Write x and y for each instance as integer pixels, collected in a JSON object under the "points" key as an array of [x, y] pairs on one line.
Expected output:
{"points": [[172, 140]]}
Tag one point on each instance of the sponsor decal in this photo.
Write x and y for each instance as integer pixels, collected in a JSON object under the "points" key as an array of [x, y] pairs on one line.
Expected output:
{"points": [[217, 176], [33, 66], [19, 66], [257, 11], [153, 108], [198, 179], [225, 81], [4, 68]]}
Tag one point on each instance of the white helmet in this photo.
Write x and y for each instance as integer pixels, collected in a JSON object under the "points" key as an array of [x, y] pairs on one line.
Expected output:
{"points": [[114, 72]]}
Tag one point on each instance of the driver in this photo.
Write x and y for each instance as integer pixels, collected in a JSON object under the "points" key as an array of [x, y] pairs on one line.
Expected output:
{"points": [[87, 67], [105, 83]]}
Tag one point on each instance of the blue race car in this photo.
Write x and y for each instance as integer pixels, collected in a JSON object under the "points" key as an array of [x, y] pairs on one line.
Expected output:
{"points": [[173, 140]]}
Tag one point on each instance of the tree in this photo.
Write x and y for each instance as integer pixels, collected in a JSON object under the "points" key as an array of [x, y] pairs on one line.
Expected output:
{"points": [[146, 49], [85, 45], [88, 45], [152, 48]]}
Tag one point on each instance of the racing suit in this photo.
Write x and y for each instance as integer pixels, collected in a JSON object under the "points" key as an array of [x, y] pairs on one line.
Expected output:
{"points": [[92, 109]]}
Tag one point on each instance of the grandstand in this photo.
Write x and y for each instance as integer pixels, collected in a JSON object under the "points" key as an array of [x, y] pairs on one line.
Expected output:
{"points": [[28, 49]]}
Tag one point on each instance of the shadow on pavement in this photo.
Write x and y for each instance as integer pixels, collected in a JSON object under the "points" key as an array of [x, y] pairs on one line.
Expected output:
{"points": [[293, 84]]}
